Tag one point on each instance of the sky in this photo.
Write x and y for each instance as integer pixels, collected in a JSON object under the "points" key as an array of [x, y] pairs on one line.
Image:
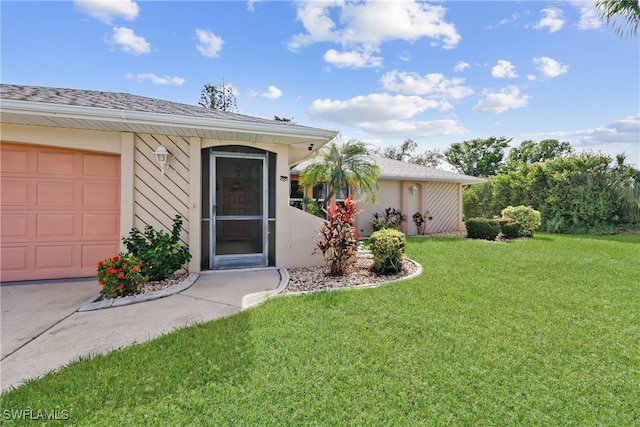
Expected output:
{"points": [[378, 71]]}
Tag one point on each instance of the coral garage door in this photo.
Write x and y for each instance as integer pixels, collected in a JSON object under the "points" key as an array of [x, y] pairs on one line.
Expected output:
{"points": [[60, 211]]}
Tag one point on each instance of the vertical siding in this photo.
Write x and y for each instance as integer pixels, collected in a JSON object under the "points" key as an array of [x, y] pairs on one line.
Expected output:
{"points": [[158, 200], [442, 203]]}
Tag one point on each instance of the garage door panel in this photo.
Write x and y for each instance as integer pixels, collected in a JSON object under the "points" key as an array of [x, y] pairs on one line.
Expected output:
{"points": [[16, 161], [100, 194], [15, 258], [57, 162], [59, 194], [102, 226], [91, 254], [59, 226], [101, 166], [15, 192], [56, 256], [14, 227]]}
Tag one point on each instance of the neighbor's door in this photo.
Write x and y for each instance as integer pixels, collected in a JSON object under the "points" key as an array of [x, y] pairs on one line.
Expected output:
{"points": [[239, 220]]}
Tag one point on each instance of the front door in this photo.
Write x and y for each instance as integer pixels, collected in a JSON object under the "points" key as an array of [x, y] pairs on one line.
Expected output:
{"points": [[238, 215]]}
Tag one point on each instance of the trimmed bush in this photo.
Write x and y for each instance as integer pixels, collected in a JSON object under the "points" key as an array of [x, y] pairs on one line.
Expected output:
{"points": [[528, 219], [482, 228], [510, 229], [387, 247]]}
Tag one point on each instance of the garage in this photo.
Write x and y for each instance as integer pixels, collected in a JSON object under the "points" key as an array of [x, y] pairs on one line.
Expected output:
{"points": [[60, 211]]}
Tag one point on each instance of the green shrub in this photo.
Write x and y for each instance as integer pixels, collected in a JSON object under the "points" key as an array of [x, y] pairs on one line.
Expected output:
{"points": [[120, 276], [387, 247], [391, 218], [161, 253], [510, 229], [338, 240], [528, 218], [482, 228]]}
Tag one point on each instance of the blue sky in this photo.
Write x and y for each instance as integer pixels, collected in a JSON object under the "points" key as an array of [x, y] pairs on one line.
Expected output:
{"points": [[379, 71]]}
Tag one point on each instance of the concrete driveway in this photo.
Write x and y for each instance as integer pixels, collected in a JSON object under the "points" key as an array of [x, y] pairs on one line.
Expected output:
{"points": [[41, 329]]}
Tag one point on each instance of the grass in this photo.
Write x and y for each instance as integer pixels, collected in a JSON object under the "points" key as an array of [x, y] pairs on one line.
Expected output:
{"points": [[533, 332]]}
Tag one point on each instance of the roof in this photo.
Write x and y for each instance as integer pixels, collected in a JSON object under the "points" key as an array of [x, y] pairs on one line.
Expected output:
{"points": [[402, 171], [116, 111]]}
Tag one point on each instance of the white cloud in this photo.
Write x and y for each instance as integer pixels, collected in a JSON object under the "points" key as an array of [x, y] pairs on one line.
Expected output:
{"points": [[352, 59], [415, 129], [614, 138], [553, 20], [272, 92], [156, 80], [434, 84], [209, 44], [461, 66], [589, 18], [405, 56], [504, 69], [549, 67], [107, 10], [365, 26], [371, 108], [129, 41], [386, 114], [499, 102]]}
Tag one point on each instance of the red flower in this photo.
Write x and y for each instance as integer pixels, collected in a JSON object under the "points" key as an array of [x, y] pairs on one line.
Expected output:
{"points": [[101, 283], [121, 276], [115, 259], [100, 263], [134, 268], [111, 270], [120, 287]]}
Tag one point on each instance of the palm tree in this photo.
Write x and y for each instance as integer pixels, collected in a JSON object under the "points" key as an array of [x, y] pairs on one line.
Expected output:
{"points": [[342, 166], [626, 185], [626, 10]]}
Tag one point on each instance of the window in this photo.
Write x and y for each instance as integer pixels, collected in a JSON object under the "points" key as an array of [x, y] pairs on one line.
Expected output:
{"points": [[296, 194]]}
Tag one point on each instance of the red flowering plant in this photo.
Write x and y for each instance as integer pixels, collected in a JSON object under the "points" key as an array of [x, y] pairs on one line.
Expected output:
{"points": [[120, 276]]}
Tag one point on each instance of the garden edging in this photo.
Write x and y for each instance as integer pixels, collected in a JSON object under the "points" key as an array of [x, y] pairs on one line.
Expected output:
{"points": [[364, 286], [96, 303]]}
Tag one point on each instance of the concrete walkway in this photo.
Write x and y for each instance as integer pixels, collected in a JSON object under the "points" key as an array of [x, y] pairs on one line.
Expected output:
{"points": [[41, 329]]}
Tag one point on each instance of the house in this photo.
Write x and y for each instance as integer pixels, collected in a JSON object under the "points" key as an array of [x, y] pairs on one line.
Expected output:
{"points": [[411, 188], [80, 169]]}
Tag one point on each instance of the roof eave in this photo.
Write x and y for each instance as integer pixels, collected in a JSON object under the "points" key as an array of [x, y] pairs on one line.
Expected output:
{"points": [[463, 179], [160, 119]]}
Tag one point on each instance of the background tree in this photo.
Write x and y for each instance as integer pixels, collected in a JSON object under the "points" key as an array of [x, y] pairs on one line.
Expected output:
{"points": [[529, 152], [406, 152], [624, 15], [340, 166], [221, 97], [478, 157]]}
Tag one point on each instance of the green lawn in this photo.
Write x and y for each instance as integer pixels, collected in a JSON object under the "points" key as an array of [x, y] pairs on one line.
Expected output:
{"points": [[531, 332]]}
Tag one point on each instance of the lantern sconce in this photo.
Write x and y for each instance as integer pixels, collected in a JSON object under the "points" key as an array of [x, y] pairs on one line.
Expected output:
{"points": [[414, 189], [284, 178], [162, 157]]}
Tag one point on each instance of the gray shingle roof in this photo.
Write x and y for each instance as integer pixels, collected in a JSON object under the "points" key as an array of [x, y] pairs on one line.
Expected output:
{"points": [[121, 101], [403, 171]]}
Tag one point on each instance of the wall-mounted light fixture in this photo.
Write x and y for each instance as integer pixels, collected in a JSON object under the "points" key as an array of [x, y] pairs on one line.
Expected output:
{"points": [[284, 178], [414, 189], [310, 147], [162, 157]]}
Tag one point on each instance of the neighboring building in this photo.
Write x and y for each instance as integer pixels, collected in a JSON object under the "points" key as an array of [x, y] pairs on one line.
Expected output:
{"points": [[411, 188], [79, 171]]}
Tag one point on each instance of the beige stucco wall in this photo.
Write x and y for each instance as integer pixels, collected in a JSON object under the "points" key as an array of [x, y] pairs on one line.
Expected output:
{"points": [[443, 201], [389, 195]]}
